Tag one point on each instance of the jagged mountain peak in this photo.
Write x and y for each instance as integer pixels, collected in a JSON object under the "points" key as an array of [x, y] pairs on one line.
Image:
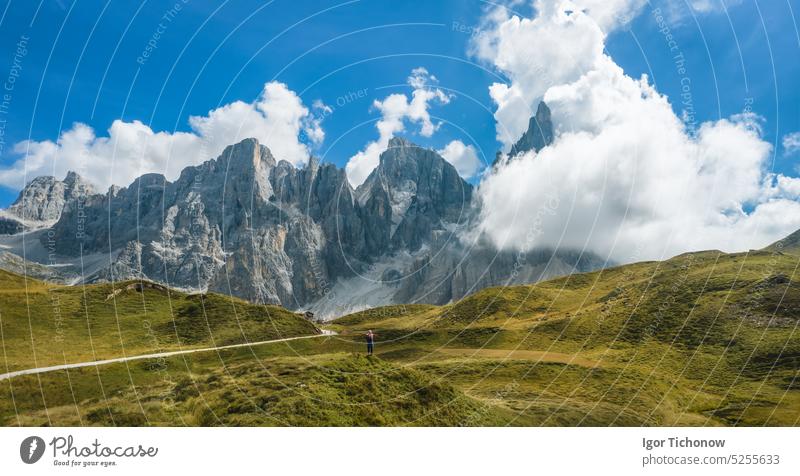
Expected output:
{"points": [[398, 141], [75, 179], [399, 167], [542, 111], [401, 152], [313, 163], [406, 167], [266, 230], [248, 153], [148, 180], [539, 134], [43, 198], [402, 155], [411, 194], [41, 180]]}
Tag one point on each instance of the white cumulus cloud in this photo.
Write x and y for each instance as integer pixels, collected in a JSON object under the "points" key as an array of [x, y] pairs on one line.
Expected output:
{"points": [[395, 110], [277, 118], [791, 143], [557, 46], [623, 178], [463, 157]]}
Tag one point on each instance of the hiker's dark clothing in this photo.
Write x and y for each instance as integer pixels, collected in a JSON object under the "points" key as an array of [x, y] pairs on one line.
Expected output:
{"points": [[370, 343]]}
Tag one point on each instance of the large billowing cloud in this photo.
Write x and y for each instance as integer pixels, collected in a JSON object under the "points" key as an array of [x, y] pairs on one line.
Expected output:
{"points": [[395, 109], [276, 119], [556, 47], [623, 177]]}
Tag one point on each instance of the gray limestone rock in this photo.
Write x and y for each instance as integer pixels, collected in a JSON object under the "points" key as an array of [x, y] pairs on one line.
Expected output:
{"points": [[44, 198], [251, 225]]}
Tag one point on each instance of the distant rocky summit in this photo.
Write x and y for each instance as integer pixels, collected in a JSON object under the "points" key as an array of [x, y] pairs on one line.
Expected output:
{"points": [[539, 134], [257, 227], [44, 198]]}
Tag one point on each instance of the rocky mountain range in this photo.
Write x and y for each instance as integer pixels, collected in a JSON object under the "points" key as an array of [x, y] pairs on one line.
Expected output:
{"points": [[40, 203], [257, 227]]}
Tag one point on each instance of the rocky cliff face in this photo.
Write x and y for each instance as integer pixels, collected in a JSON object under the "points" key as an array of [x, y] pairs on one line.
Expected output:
{"points": [[412, 193], [10, 225], [243, 223], [44, 198], [41, 202], [251, 225], [539, 134]]}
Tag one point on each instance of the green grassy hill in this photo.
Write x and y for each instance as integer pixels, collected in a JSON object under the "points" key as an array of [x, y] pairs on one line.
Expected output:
{"points": [[43, 324], [790, 244], [244, 388], [273, 384], [701, 339]]}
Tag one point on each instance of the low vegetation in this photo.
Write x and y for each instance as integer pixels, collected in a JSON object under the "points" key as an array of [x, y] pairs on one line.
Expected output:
{"points": [[44, 324], [701, 339]]}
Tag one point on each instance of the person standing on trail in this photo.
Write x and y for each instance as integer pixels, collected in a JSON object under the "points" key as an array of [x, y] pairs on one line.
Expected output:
{"points": [[370, 341]]}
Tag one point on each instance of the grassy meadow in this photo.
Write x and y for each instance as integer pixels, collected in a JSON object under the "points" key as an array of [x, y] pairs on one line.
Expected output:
{"points": [[44, 324], [701, 339]]}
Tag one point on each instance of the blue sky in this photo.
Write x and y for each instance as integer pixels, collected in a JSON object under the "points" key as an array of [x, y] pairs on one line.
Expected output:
{"points": [[81, 65]]}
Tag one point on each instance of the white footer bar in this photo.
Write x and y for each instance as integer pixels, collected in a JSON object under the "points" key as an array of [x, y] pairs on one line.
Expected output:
{"points": [[402, 451]]}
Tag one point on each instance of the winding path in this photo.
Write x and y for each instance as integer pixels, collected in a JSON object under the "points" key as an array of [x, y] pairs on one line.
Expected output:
{"points": [[39, 370]]}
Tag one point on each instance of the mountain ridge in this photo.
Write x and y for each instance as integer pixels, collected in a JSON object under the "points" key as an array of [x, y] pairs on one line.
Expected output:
{"points": [[251, 225]]}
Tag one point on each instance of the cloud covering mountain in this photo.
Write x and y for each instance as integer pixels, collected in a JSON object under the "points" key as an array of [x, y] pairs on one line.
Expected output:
{"points": [[252, 225], [631, 179]]}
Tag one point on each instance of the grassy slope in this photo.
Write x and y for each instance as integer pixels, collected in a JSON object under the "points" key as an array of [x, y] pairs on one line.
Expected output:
{"points": [[704, 338], [790, 244], [701, 339], [61, 324], [264, 386]]}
